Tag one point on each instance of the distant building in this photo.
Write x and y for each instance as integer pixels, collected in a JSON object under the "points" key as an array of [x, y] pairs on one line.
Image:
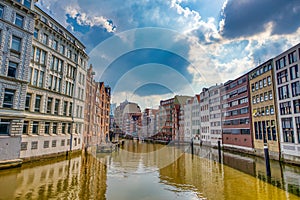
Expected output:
{"points": [[195, 119], [97, 109], [16, 30], [55, 98], [236, 115], [128, 119], [187, 107], [287, 84], [149, 122], [169, 112], [264, 112]]}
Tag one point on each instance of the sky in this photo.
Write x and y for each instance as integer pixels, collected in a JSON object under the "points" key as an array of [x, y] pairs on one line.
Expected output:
{"points": [[149, 50]]}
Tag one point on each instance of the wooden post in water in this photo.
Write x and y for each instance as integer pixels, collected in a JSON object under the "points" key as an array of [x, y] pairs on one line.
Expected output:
{"points": [[219, 151], [192, 146], [267, 159]]}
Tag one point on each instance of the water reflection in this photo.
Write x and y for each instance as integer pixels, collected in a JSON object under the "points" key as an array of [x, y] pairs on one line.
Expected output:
{"points": [[76, 178], [148, 171]]}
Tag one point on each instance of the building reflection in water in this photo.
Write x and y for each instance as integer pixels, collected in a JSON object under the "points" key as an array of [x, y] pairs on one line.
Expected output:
{"points": [[81, 177]]}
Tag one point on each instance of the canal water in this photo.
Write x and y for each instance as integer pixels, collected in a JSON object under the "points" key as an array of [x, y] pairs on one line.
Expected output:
{"points": [[151, 171]]}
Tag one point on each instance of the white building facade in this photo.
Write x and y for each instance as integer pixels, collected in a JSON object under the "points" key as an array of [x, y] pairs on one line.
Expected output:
{"points": [[16, 29], [54, 103], [215, 116], [204, 116], [287, 84]]}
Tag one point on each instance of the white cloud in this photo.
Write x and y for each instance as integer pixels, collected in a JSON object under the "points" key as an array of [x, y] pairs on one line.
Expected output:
{"points": [[83, 18]]}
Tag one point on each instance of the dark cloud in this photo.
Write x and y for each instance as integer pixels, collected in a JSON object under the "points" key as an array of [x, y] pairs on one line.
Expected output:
{"points": [[248, 17]]}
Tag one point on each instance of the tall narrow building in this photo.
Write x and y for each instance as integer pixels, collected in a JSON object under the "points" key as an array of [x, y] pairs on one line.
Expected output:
{"points": [[264, 112], [16, 30], [54, 104], [96, 113]]}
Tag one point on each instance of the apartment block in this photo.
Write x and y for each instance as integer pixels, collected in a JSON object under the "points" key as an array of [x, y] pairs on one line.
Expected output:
{"points": [[187, 107], [215, 116], [204, 117], [96, 113], [287, 84], [195, 119], [264, 111], [55, 98], [16, 30], [236, 114]]}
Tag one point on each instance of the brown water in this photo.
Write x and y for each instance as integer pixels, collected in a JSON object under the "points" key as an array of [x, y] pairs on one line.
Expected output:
{"points": [[148, 171]]}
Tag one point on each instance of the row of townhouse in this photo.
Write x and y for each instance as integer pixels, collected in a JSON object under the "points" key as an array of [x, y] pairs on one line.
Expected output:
{"points": [[43, 72], [261, 107]]}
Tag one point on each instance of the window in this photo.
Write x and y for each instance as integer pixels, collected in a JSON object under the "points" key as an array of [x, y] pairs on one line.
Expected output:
{"points": [[24, 146], [272, 110], [65, 108], [294, 72], [49, 105], [287, 129], [43, 57], [35, 77], [270, 95], [266, 96], [1, 11], [285, 108], [55, 45], [19, 20], [37, 103], [70, 110], [53, 143], [45, 39], [27, 3], [46, 144], [41, 79], [296, 89], [4, 126], [47, 127], [292, 57], [62, 49], [8, 98], [265, 82], [260, 84], [56, 108], [256, 85], [63, 128], [269, 80], [273, 130], [282, 77], [16, 43], [34, 145], [280, 63], [12, 69], [62, 143], [296, 106], [298, 127], [25, 127], [36, 33], [35, 127], [54, 128], [283, 92], [28, 101]]}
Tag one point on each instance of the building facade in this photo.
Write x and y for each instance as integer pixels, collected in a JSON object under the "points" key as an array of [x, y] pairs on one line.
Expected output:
{"points": [[264, 111], [195, 119], [188, 120], [204, 117], [97, 111], [287, 82], [215, 116], [54, 103], [16, 30], [236, 115]]}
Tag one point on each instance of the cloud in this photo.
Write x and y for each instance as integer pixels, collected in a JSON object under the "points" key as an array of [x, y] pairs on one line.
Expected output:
{"points": [[249, 17]]}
